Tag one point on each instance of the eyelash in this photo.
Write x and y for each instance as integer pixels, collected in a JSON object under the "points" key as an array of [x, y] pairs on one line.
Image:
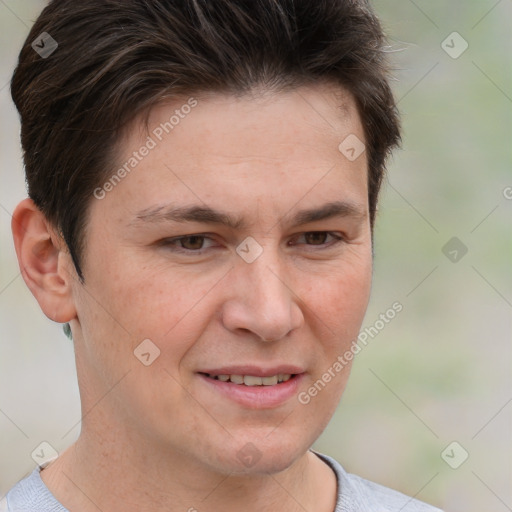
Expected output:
{"points": [[338, 239]]}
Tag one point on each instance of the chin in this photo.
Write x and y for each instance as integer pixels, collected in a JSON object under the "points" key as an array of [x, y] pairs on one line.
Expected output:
{"points": [[266, 456]]}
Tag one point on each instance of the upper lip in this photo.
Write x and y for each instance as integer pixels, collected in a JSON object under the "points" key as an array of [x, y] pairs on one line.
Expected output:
{"points": [[256, 371]]}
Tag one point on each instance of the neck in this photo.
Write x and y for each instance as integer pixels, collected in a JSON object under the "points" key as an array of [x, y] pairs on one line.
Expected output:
{"points": [[119, 472]]}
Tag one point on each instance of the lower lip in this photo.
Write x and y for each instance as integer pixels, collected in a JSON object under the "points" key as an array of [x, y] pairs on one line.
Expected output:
{"points": [[256, 397]]}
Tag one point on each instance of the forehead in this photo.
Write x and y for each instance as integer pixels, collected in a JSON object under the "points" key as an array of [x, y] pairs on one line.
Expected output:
{"points": [[240, 123], [236, 149]]}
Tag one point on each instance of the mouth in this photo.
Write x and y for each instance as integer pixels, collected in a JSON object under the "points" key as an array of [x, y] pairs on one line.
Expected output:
{"points": [[251, 387], [252, 380]]}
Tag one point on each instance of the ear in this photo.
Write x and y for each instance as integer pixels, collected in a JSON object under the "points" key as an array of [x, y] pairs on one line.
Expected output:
{"points": [[44, 262]]}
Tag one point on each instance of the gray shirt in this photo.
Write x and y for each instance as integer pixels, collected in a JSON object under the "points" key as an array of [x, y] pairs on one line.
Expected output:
{"points": [[355, 494]]}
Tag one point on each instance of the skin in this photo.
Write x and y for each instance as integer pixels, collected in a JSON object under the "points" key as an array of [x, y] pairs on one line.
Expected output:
{"points": [[157, 437]]}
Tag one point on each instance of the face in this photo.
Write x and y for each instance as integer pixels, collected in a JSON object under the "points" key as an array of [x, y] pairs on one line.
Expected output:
{"points": [[238, 244]]}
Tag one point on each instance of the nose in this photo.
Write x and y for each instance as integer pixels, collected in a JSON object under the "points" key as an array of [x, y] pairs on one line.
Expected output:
{"points": [[262, 300]]}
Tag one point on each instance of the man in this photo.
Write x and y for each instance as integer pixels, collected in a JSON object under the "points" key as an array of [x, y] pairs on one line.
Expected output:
{"points": [[203, 180]]}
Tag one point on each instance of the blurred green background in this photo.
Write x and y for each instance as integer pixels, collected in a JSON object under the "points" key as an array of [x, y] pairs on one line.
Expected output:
{"points": [[441, 370]]}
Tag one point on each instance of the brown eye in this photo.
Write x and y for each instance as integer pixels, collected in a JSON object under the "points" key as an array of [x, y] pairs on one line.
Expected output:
{"points": [[192, 243], [320, 239], [315, 237]]}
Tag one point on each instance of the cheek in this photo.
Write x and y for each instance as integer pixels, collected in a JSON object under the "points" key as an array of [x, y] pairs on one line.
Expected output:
{"points": [[169, 303], [168, 307], [340, 305], [340, 299]]}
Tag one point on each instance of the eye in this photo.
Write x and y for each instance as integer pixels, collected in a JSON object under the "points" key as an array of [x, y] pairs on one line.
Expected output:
{"points": [[192, 244], [318, 238]]}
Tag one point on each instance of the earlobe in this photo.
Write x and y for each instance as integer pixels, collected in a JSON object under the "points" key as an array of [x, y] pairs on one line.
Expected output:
{"points": [[44, 262]]}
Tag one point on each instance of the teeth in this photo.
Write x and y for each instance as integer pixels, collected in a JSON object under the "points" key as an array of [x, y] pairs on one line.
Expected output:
{"points": [[270, 381], [252, 380], [249, 380]]}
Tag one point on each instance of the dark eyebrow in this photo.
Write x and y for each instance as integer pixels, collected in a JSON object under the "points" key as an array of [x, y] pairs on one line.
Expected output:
{"points": [[202, 214], [327, 211], [206, 215]]}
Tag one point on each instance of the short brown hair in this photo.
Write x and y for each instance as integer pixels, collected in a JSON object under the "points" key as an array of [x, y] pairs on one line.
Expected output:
{"points": [[117, 58]]}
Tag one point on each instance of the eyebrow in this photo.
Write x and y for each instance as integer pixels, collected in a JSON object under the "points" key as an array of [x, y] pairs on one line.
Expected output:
{"points": [[207, 215]]}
